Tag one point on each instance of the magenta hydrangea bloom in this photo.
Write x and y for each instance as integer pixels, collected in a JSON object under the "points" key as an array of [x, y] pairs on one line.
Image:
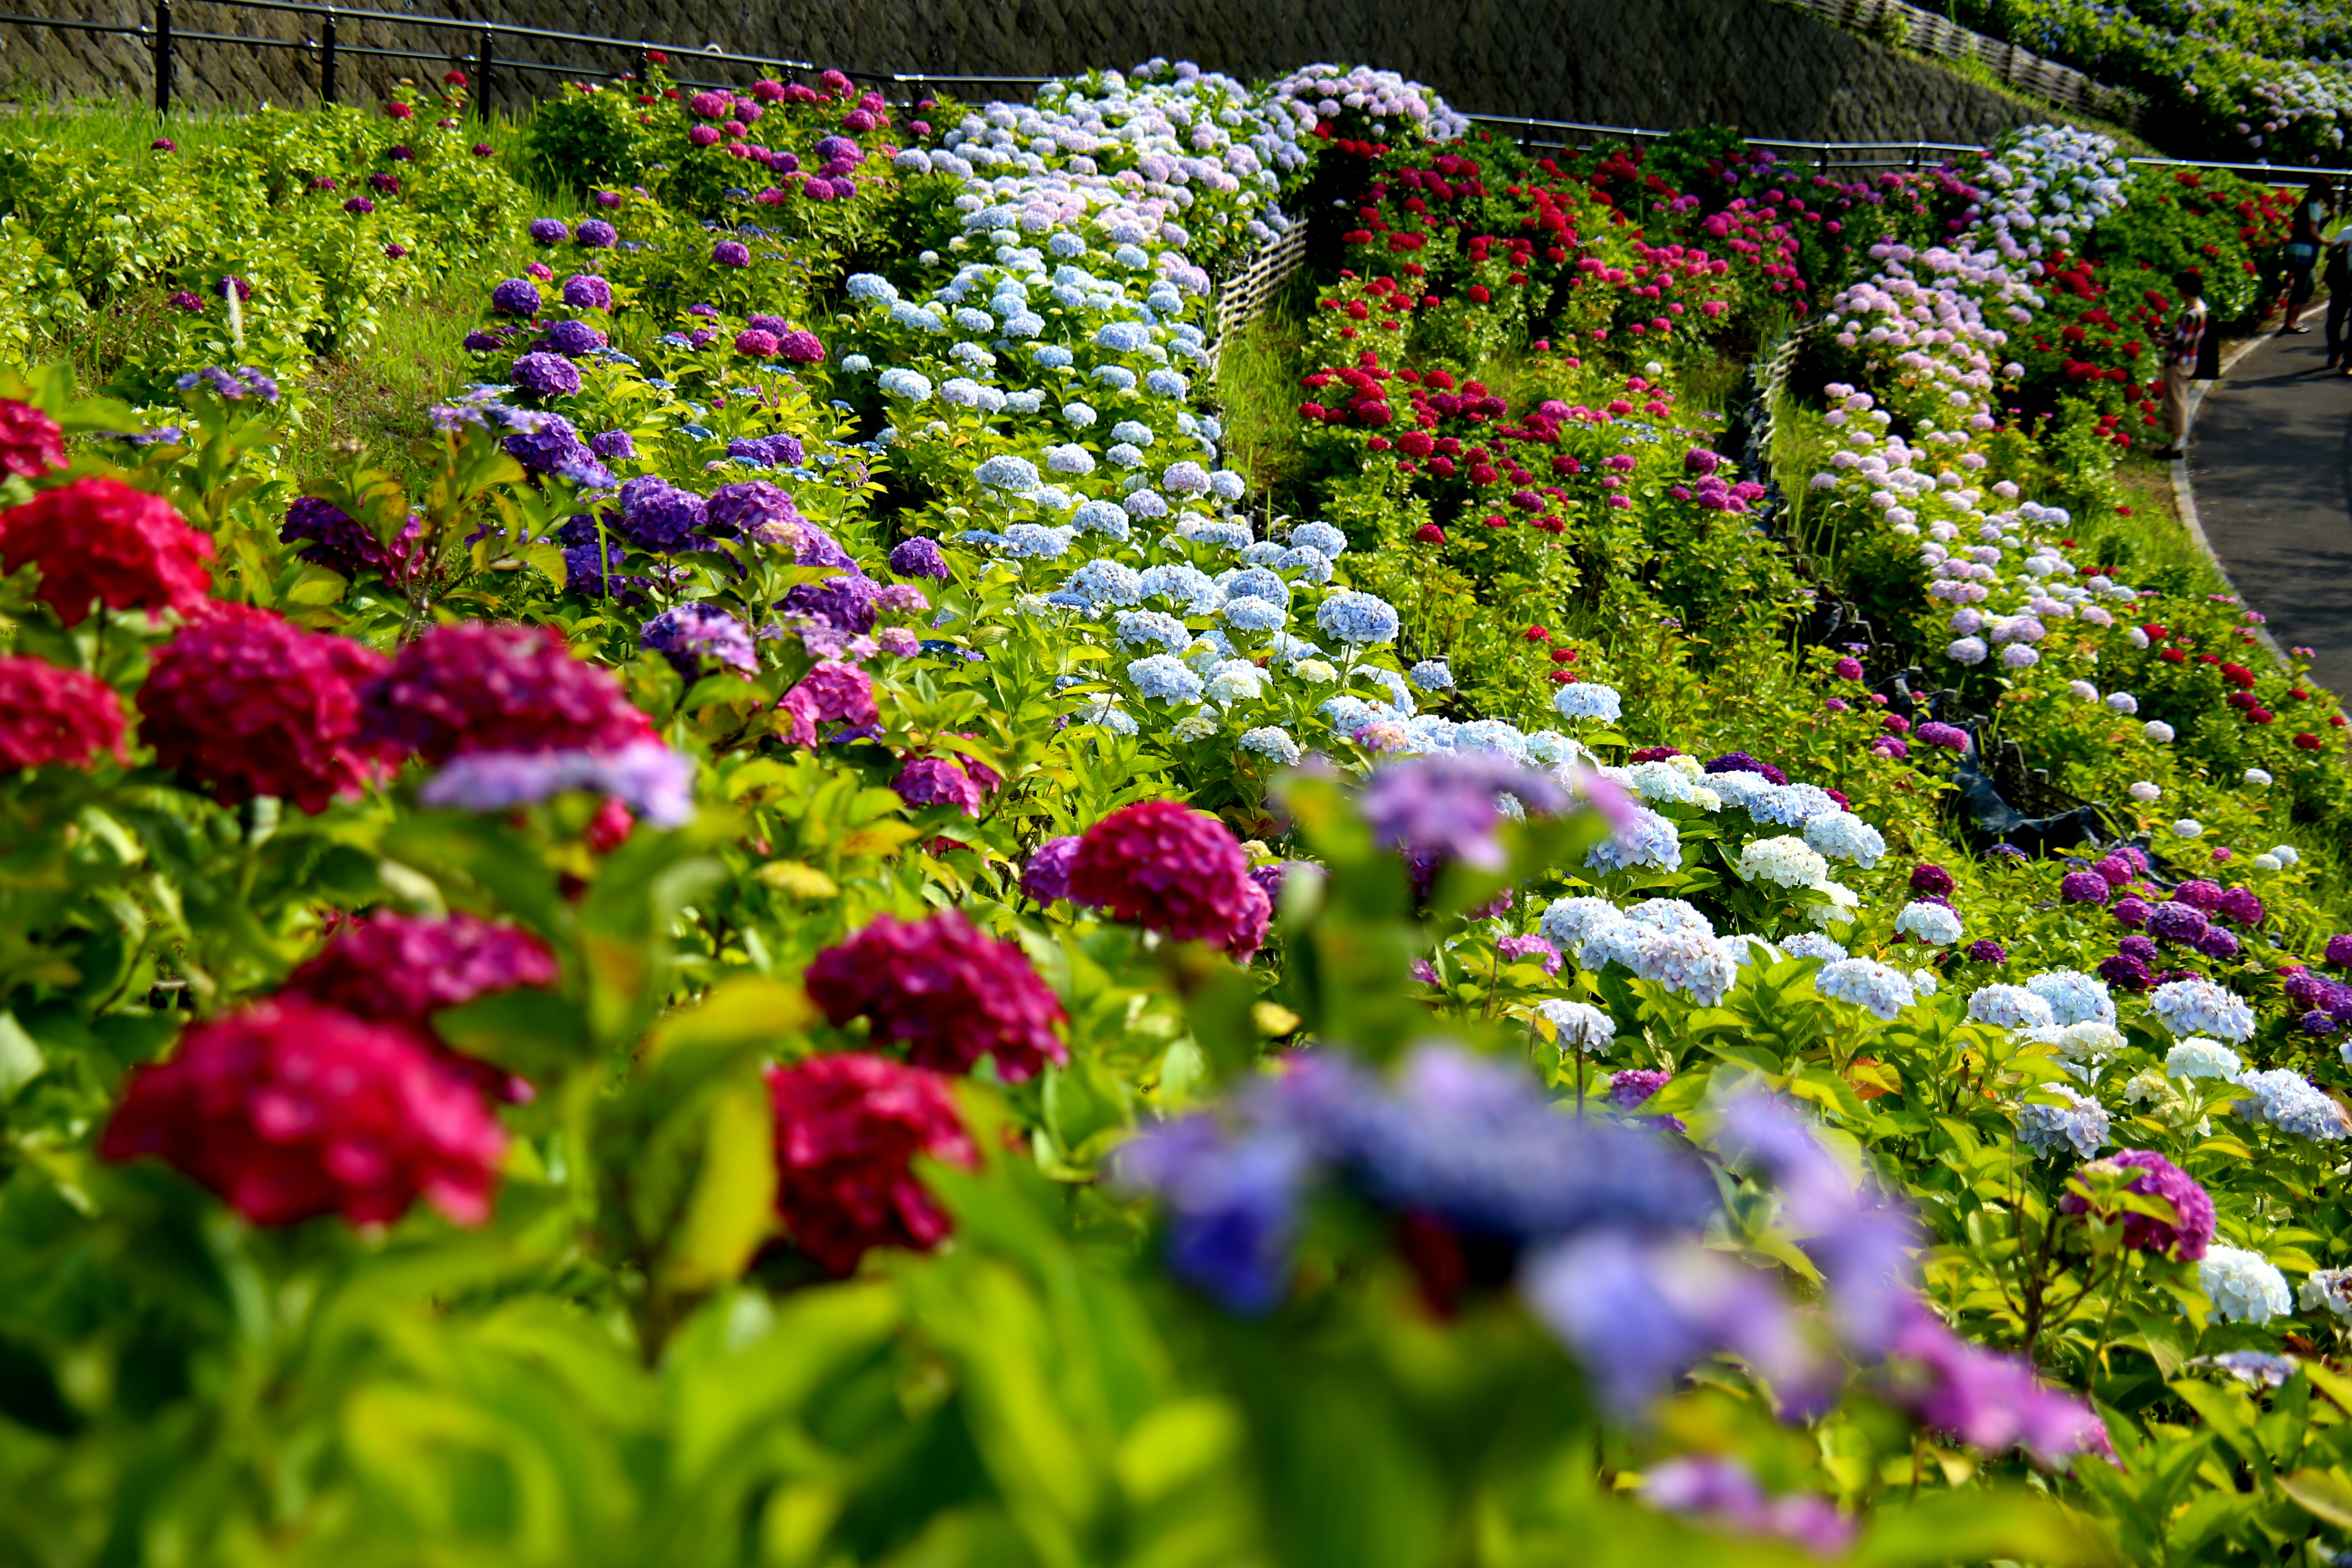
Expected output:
{"points": [[2114, 870], [1931, 879], [1046, 876], [1164, 866], [938, 780], [2084, 887], [1847, 670], [2131, 912], [1631, 1087], [1514, 948], [2202, 897], [1949, 736], [947, 992], [393, 968], [800, 348], [753, 343], [831, 692], [2138, 946], [2218, 942], [2241, 906], [732, 253], [468, 687], [2188, 1237]]}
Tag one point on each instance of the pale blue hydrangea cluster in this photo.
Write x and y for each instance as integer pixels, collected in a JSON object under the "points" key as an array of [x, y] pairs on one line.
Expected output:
{"points": [[2244, 1287], [2009, 1007], [1812, 945], [2288, 1102], [1784, 862], [2196, 1057], [1931, 924], [2078, 1127], [2196, 1006], [1879, 988], [1579, 1027], [2073, 997], [1588, 699], [1841, 836]]}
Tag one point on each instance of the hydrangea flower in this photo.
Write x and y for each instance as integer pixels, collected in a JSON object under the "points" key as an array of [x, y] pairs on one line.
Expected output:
{"points": [[1579, 1027], [2190, 1234], [1168, 867], [848, 1126], [1931, 924], [946, 991], [2010, 1007], [52, 715], [1356, 618], [2073, 997], [2195, 1006], [1841, 836], [99, 539], [2197, 1058], [2080, 1125], [2244, 1287], [2288, 1102], [1880, 989], [1588, 699]]}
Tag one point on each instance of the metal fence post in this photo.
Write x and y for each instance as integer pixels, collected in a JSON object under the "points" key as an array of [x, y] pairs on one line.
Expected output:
{"points": [[327, 59], [482, 87], [163, 56]]}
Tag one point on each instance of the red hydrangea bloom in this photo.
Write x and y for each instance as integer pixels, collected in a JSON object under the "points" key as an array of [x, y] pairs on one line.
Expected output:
{"points": [[461, 689], [831, 692], [1161, 865], [52, 714], [947, 991], [246, 703], [31, 444], [848, 1127], [99, 539], [288, 1109], [394, 968], [2159, 1178]]}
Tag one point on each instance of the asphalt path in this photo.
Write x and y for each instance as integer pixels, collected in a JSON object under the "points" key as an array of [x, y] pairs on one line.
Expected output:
{"points": [[2270, 458]]}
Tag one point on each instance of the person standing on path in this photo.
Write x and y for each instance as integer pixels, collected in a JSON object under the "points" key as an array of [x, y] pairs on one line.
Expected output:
{"points": [[2183, 336], [2305, 238], [2336, 272]]}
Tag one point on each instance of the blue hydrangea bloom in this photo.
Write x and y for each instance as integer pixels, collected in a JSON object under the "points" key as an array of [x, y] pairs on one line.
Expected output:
{"points": [[1164, 677], [1357, 618]]}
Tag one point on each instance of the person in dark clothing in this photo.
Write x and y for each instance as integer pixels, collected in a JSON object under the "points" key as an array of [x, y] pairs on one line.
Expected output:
{"points": [[2304, 238]]}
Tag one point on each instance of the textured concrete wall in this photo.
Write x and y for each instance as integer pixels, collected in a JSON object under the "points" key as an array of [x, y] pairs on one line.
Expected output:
{"points": [[1771, 70]]}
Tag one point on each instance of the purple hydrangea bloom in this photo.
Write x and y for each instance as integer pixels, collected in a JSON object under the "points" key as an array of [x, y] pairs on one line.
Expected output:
{"points": [[1949, 736], [2114, 869], [483, 343], [768, 451], [1986, 951], [2131, 911], [2084, 887], [658, 516], [595, 233], [2318, 1023], [938, 780], [655, 782], [1631, 1087], [1233, 1205], [586, 291], [549, 230], [2127, 971], [547, 375], [582, 574], [845, 603], [687, 634], [2192, 1208], [2138, 946], [2177, 923], [2339, 951], [551, 445], [732, 253], [920, 557], [516, 296], [1741, 762], [2218, 944], [1514, 948], [2240, 905], [611, 444], [334, 539], [1046, 876], [755, 508], [573, 339], [1446, 807], [1931, 879], [2202, 897]]}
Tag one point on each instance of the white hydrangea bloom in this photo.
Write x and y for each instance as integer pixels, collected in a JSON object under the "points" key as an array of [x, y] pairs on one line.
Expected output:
{"points": [[2074, 996], [1579, 1027], [2200, 1008], [2200, 1058], [1841, 836], [1879, 988], [1786, 862], [2010, 1007], [2244, 1286], [1931, 924]]}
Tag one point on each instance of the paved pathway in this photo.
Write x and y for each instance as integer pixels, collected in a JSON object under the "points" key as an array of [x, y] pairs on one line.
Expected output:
{"points": [[2270, 460]]}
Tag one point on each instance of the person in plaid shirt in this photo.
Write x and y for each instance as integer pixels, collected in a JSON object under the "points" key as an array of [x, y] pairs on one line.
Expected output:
{"points": [[2183, 336]]}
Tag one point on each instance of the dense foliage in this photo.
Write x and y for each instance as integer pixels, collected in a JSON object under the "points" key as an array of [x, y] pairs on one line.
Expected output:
{"points": [[821, 931]]}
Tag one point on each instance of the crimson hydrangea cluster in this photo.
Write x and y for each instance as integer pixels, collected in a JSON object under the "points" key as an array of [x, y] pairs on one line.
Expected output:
{"points": [[100, 539], [393, 968], [1164, 866], [947, 991], [49, 714], [289, 1111], [31, 444], [849, 1129], [246, 703], [471, 688]]}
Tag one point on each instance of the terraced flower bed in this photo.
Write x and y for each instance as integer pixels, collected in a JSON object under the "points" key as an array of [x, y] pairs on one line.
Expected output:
{"points": [[880, 890]]}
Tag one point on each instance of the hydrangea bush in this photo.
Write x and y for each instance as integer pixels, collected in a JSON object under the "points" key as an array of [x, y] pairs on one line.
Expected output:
{"points": [[841, 927]]}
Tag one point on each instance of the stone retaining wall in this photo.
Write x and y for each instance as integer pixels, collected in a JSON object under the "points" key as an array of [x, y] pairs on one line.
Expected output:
{"points": [[1766, 68]]}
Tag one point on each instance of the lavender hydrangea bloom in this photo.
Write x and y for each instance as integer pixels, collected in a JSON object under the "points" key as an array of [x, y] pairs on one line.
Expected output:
{"points": [[687, 634], [1046, 876], [845, 603], [918, 557], [547, 375], [586, 291], [1449, 805], [335, 540], [655, 782], [658, 516], [2080, 1124], [516, 296]]}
